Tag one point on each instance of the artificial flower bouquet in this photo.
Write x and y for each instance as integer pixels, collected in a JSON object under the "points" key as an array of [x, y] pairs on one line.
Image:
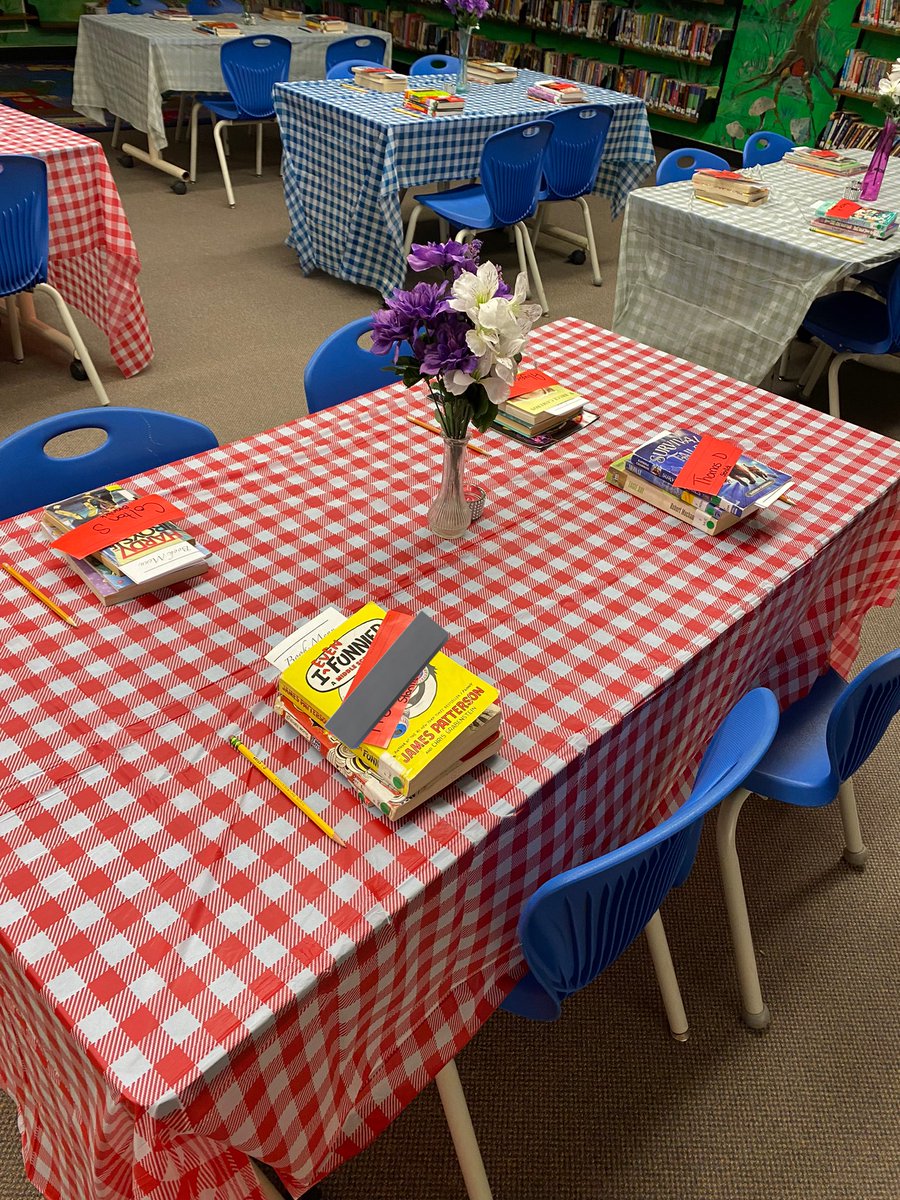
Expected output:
{"points": [[889, 92], [467, 12]]}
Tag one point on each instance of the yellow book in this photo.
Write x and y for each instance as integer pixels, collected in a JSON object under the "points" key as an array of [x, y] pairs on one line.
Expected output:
{"points": [[440, 708], [557, 399]]}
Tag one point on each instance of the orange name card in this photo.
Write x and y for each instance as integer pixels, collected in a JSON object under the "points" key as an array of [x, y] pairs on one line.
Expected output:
{"points": [[109, 528], [707, 468], [532, 379], [843, 208]]}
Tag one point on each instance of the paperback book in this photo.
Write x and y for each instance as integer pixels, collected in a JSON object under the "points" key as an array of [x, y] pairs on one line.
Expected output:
{"points": [[729, 187], [828, 162], [557, 91], [684, 505], [380, 79], [854, 220]]}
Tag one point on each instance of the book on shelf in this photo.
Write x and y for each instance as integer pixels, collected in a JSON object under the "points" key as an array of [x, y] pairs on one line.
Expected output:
{"points": [[219, 29], [880, 14], [862, 72], [322, 23], [439, 715], [431, 102], [557, 91], [483, 70], [686, 506], [729, 187], [828, 162], [142, 562], [857, 221], [750, 484], [380, 79], [846, 130]]}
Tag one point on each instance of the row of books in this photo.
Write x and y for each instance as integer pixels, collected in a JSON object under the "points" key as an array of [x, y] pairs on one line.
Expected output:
{"points": [[355, 14], [729, 187], [848, 131], [446, 722], [853, 221], [884, 13], [650, 472], [657, 32], [861, 72], [659, 91]]}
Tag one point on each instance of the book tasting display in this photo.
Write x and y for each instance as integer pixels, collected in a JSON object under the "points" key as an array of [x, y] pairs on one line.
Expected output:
{"points": [[729, 187]]}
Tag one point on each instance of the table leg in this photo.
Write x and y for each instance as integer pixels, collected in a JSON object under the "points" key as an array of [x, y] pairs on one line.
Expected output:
{"points": [[152, 157]]}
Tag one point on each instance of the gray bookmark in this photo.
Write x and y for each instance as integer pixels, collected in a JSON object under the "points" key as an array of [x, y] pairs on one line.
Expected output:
{"points": [[387, 681]]}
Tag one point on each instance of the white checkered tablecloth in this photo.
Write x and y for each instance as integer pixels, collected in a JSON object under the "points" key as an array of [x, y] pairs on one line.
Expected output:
{"points": [[125, 64], [190, 972], [348, 152], [93, 260], [729, 286]]}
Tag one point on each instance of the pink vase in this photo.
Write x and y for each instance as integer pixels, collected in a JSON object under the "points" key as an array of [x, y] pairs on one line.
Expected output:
{"points": [[871, 184]]}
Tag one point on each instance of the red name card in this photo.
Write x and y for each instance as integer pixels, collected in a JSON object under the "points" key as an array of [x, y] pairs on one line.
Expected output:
{"points": [[112, 527], [532, 379], [708, 466], [843, 208]]}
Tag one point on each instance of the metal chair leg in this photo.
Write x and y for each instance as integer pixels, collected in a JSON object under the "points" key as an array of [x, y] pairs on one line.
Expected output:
{"points": [[179, 120], [856, 853], [533, 269], [523, 261], [117, 125], [463, 1133], [259, 146], [15, 333], [80, 348], [834, 392], [223, 161], [592, 245], [754, 1011], [195, 109], [814, 369], [666, 977], [411, 228]]}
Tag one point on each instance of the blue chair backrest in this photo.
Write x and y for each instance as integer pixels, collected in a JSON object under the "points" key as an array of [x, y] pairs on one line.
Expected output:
{"points": [[578, 923], [251, 66], [212, 8], [436, 64], [863, 712], [369, 49], [512, 169], [575, 149], [24, 222], [681, 164], [344, 70], [764, 147], [139, 9], [340, 369], [136, 440]]}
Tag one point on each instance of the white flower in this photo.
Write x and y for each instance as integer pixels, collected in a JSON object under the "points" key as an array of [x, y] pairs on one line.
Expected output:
{"points": [[473, 289]]}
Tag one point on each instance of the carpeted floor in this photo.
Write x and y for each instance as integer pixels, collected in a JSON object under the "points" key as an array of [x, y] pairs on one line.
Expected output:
{"points": [[602, 1104]]}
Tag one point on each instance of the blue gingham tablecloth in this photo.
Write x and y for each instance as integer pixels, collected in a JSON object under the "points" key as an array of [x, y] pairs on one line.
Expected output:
{"points": [[348, 152]]}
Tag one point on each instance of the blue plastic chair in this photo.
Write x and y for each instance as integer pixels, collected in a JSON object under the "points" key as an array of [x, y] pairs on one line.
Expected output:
{"points": [[511, 171], [764, 147], [138, 9], [251, 67], [210, 9], [853, 326], [681, 164], [137, 439], [340, 369], [571, 163], [436, 64], [360, 47], [24, 249], [822, 741], [578, 923], [344, 70]]}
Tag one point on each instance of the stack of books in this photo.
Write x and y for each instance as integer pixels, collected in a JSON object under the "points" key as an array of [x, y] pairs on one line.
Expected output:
{"points": [[847, 219], [172, 14], [826, 162], [219, 29], [729, 187], [538, 405], [322, 23], [482, 70], [446, 722], [380, 79], [141, 562], [432, 102], [649, 473], [557, 91]]}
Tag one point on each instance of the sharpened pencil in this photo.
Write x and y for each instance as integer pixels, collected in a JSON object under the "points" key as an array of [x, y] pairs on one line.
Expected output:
{"points": [[285, 790], [36, 591]]}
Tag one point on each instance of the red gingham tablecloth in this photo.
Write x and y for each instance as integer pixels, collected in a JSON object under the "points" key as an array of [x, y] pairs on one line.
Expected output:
{"points": [[93, 260], [191, 972]]}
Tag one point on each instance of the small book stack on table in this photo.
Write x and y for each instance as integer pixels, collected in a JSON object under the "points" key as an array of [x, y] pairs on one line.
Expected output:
{"points": [[432, 102], [283, 14], [728, 187], [380, 79], [219, 29], [826, 162], [856, 222], [538, 406], [172, 14], [446, 721], [481, 70], [557, 91], [651, 471], [322, 23]]}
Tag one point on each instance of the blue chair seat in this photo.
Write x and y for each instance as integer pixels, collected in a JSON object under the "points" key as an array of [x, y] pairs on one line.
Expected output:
{"points": [[466, 206], [850, 321], [797, 768], [223, 107]]}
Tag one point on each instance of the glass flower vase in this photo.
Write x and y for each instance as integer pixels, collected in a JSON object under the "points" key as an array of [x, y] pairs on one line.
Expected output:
{"points": [[450, 514], [465, 41], [871, 184]]}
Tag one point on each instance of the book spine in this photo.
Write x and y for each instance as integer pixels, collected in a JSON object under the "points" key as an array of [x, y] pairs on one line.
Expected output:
{"points": [[711, 508], [666, 502]]}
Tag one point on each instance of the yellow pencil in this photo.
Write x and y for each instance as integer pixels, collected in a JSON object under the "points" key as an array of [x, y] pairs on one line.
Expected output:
{"points": [[842, 237], [706, 200], [36, 591], [285, 790], [437, 429]]}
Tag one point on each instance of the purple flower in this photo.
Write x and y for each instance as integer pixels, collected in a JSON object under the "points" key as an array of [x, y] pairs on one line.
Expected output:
{"points": [[444, 348], [468, 12], [448, 256], [405, 314]]}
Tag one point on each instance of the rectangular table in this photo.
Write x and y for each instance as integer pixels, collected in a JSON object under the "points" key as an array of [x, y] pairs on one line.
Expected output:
{"points": [[93, 260], [125, 65], [348, 153], [185, 963], [728, 286]]}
